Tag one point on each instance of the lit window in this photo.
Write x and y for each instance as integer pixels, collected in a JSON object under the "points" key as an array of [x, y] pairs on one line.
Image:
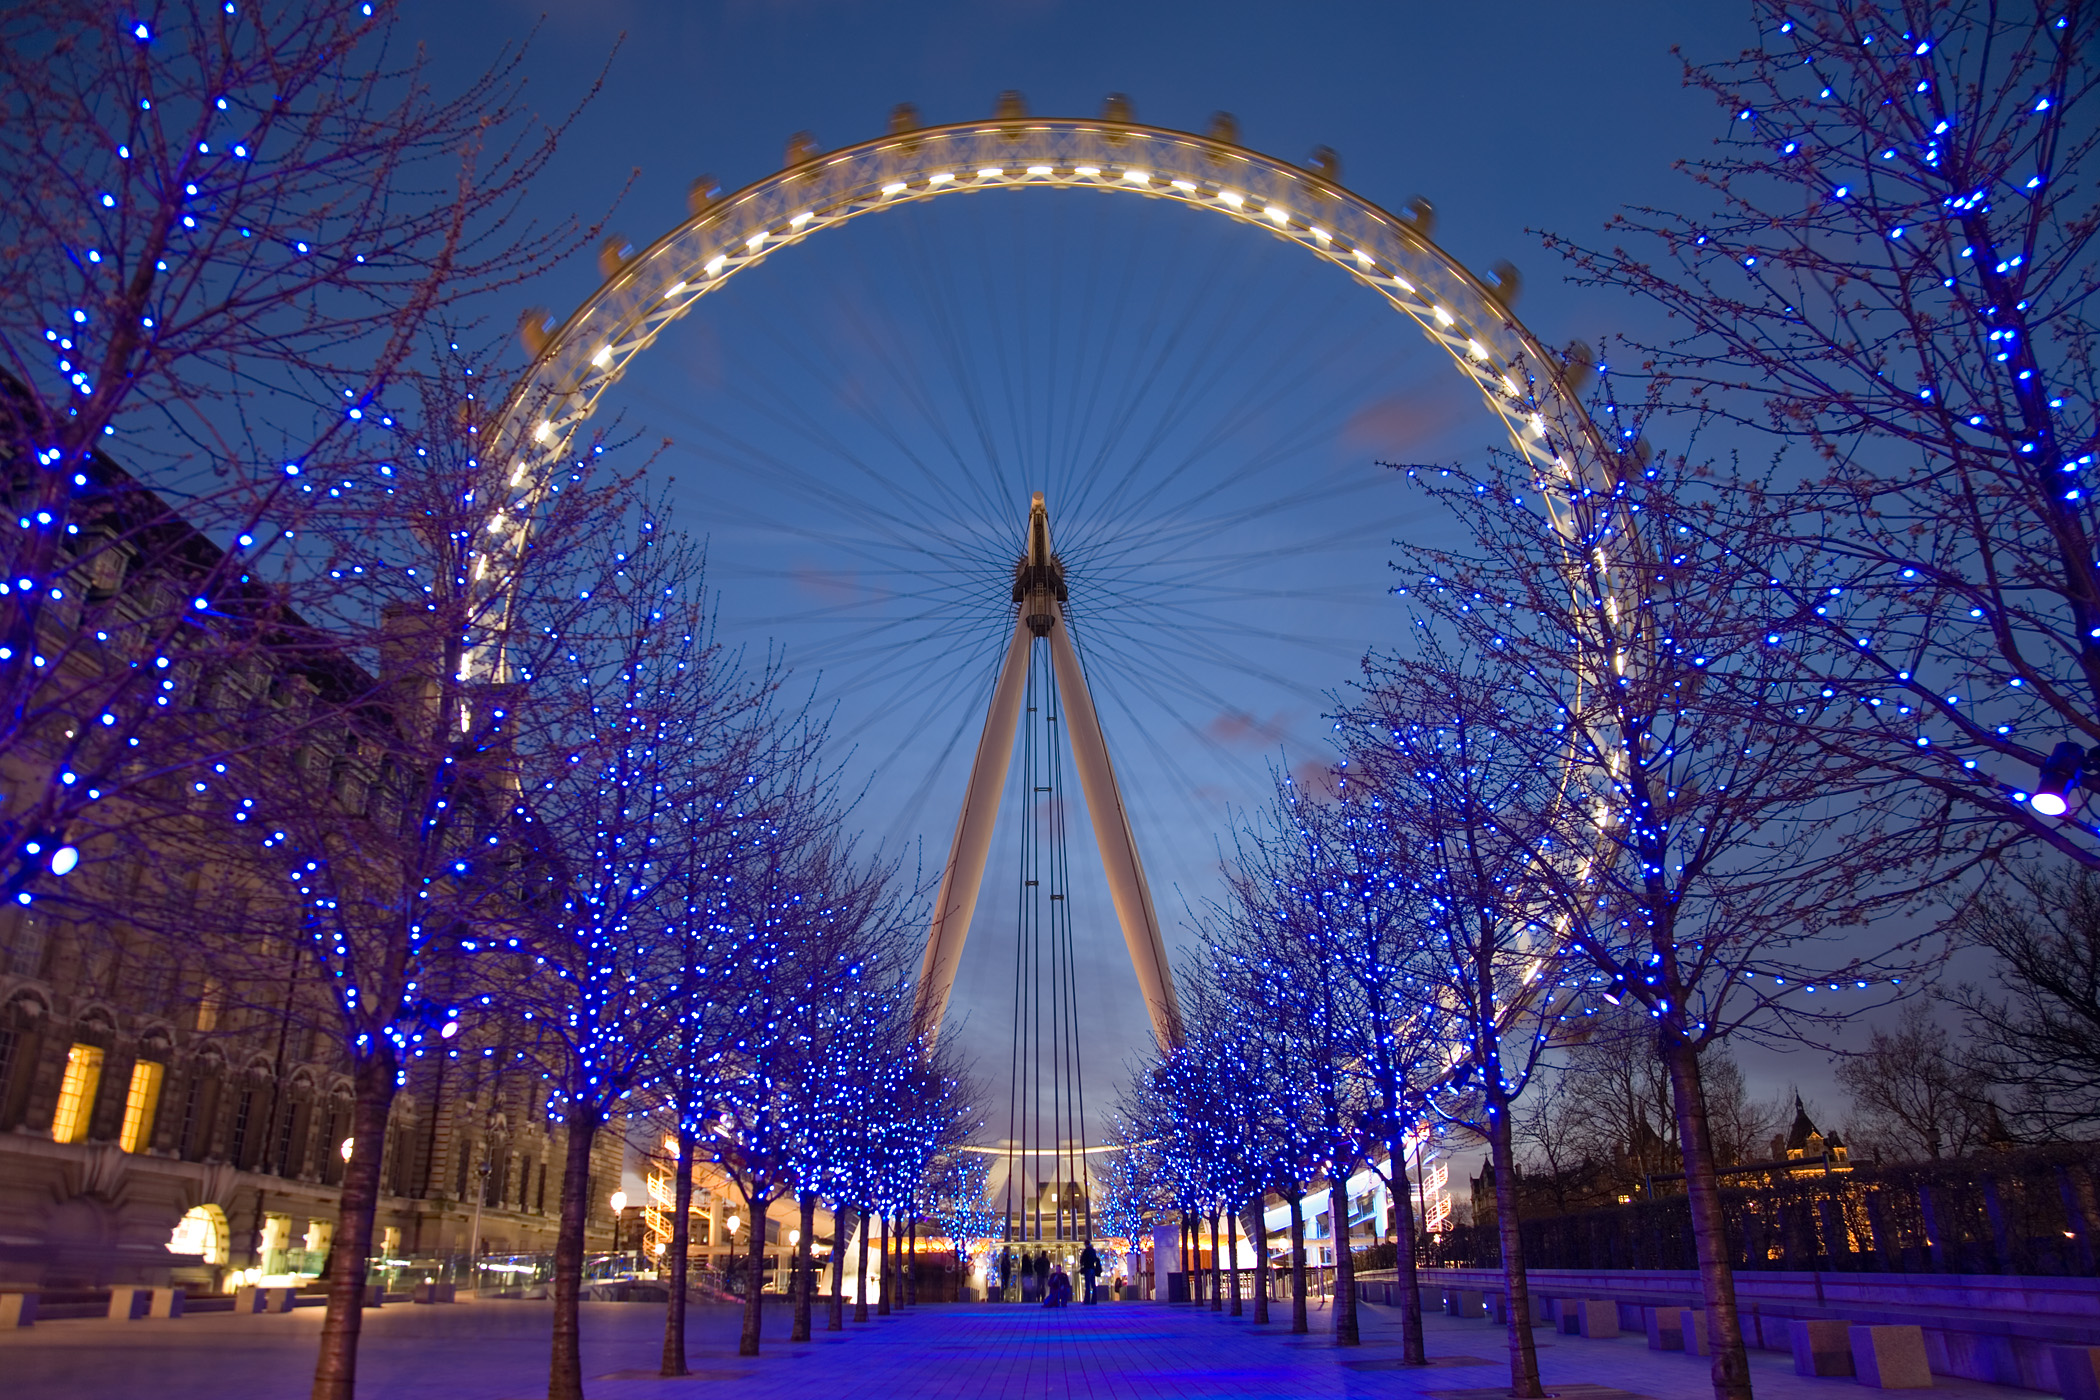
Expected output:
{"points": [[76, 1093], [140, 1103]]}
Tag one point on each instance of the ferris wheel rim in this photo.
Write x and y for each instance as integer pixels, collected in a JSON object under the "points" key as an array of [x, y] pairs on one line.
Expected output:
{"points": [[1521, 381]]}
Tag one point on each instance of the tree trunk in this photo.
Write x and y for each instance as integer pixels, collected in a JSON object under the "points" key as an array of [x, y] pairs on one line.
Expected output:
{"points": [[1412, 1351], [681, 1240], [1523, 1353], [835, 1311], [1217, 1280], [1298, 1323], [882, 1301], [860, 1293], [1232, 1250], [1724, 1330], [1261, 1260], [335, 1371], [565, 1370], [805, 1279], [910, 1295], [754, 1276], [1345, 1329]]}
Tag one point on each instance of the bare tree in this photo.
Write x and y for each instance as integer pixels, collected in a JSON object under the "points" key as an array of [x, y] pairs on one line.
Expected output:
{"points": [[1912, 1097], [371, 819], [230, 229], [1708, 853], [2036, 1035], [1890, 263], [637, 726], [1471, 787]]}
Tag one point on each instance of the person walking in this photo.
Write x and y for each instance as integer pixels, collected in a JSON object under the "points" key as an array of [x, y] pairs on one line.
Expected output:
{"points": [[1090, 1269], [1006, 1270], [1058, 1292]]}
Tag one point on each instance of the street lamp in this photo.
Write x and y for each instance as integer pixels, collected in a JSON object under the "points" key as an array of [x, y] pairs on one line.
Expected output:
{"points": [[618, 1202]]}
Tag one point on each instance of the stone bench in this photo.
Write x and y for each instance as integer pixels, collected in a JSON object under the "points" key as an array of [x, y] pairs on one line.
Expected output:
{"points": [[1588, 1317], [1821, 1346], [1465, 1302], [436, 1293], [252, 1298], [1667, 1327], [128, 1304], [17, 1310], [2078, 1372], [1890, 1357]]}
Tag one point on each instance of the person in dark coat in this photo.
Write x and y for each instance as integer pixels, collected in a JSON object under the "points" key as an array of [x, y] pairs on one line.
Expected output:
{"points": [[1089, 1269], [1006, 1270], [1059, 1291]]}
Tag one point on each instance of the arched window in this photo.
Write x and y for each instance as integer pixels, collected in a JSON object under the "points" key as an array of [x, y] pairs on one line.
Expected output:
{"points": [[201, 1231], [21, 1042], [201, 1097]]}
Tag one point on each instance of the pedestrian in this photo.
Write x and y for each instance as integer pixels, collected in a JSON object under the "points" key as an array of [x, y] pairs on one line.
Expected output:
{"points": [[1059, 1291], [1089, 1269], [1042, 1272], [1006, 1270]]}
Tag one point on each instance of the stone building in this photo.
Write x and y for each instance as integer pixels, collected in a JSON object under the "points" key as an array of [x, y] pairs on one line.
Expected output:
{"points": [[157, 1126]]}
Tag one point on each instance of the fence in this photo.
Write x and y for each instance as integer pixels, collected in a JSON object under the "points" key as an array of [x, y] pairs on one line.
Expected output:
{"points": [[2026, 1212]]}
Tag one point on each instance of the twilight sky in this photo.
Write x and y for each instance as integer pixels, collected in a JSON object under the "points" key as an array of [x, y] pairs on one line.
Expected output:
{"points": [[807, 407]]}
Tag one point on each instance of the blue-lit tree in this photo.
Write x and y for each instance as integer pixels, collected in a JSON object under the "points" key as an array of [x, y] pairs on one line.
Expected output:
{"points": [[231, 228], [1888, 262], [1231, 1114], [1282, 946], [957, 1201], [1467, 788], [773, 793], [1346, 917], [1708, 855], [378, 825], [642, 736]]}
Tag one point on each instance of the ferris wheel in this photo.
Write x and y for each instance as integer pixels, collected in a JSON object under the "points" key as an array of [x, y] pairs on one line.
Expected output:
{"points": [[866, 432]]}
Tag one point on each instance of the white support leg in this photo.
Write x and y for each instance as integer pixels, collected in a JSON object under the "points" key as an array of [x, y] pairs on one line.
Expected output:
{"points": [[1127, 886], [963, 877]]}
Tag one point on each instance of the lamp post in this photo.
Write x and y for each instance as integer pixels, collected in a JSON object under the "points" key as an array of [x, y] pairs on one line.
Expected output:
{"points": [[618, 1202]]}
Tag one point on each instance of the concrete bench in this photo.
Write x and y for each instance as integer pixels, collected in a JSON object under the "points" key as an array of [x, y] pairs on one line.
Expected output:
{"points": [[2078, 1372], [1890, 1357], [252, 1298], [17, 1310], [436, 1293], [1589, 1317], [1464, 1302], [128, 1304], [1821, 1346], [1666, 1328]]}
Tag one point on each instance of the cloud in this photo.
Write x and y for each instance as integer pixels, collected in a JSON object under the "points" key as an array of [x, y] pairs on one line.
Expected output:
{"points": [[1314, 777], [1406, 421], [1239, 729], [832, 585]]}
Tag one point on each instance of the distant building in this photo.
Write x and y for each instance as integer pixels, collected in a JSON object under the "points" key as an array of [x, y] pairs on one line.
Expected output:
{"points": [[1806, 1147]]}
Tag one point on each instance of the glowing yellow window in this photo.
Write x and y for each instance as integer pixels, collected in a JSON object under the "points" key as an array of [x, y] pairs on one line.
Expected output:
{"points": [[76, 1093], [140, 1104]]}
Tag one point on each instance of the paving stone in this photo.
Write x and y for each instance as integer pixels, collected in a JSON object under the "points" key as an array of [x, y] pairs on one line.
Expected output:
{"points": [[1136, 1351]]}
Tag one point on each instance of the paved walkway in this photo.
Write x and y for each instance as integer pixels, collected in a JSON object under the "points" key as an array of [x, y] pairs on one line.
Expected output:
{"points": [[1128, 1351]]}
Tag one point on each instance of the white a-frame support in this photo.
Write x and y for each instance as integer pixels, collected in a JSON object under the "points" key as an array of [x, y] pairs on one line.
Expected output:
{"points": [[1039, 589]]}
